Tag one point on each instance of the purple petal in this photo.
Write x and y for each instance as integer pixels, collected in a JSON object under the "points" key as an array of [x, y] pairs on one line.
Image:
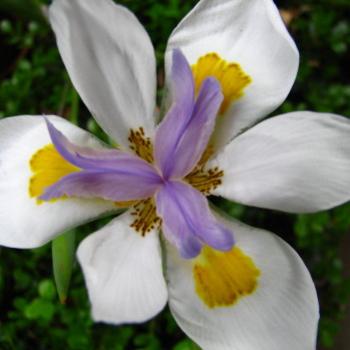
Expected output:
{"points": [[175, 122], [110, 185], [107, 173], [188, 222], [197, 134], [185, 131], [88, 158]]}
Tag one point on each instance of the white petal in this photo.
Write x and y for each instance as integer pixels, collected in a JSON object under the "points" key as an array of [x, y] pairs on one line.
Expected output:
{"points": [[282, 313], [123, 273], [24, 223], [297, 162], [252, 34], [111, 62]]}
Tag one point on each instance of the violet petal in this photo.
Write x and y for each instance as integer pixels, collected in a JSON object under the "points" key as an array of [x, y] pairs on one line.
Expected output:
{"points": [[197, 134], [110, 185], [188, 222], [175, 122], [184, 133], [93, 159]]}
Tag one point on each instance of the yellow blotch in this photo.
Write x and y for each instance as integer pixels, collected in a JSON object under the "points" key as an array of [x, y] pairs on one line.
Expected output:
{"points": [[222, 278], [48, 167], [232, 78]]}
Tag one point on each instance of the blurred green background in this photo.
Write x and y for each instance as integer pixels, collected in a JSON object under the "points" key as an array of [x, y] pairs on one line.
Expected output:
{"points": [[33, 81]]}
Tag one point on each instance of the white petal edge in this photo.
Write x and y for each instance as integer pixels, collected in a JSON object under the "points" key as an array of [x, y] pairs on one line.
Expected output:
{"points": [[111, 62], [281, 314], [251, 33], [24, 223], [123, 273], [297, 162]]}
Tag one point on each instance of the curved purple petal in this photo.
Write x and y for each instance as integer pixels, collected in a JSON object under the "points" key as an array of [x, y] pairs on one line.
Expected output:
{"points": [[184, 133], [175, 122], [188, 222], [106, 173], [110, 185], [197, 134], [90, 158]]}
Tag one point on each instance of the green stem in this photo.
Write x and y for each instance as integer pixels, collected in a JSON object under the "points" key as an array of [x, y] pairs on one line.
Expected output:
{"points": [[74, 107]]}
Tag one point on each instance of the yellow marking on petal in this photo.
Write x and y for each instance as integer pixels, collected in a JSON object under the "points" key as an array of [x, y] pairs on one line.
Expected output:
{"points": [[48, 167], [141, 144], [222, 278], [205, 180], [146, 218], [232, 78]]}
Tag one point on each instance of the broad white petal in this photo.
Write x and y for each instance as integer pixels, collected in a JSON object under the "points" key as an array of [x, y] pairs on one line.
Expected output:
{"points": [[24, 223], [111, 62], [252, 34], [297, 162], [123, 273], [282, 313]]}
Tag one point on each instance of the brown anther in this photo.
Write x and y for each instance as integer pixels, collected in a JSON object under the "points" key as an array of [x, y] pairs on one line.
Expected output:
{"points": [[141, 145], [146, 217]]}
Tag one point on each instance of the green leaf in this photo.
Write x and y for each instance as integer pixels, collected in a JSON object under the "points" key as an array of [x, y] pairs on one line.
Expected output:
{"points": [[40, 309], [186, 344], [63, 249], [47, 289]]}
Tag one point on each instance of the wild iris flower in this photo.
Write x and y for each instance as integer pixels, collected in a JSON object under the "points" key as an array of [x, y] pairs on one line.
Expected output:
{"points": [[228, 63]]}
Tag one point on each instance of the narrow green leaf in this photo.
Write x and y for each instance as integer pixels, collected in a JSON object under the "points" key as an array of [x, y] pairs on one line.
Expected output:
{"points": [[63, 251]]}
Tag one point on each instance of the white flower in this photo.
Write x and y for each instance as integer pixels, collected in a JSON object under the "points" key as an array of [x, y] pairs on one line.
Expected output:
{"points": [[257, 296]]}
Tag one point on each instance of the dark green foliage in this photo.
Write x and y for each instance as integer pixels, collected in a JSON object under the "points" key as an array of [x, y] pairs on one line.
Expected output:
{"points": [[33, 81]]}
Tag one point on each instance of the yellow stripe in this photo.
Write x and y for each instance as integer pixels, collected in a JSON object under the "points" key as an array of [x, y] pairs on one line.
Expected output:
{"points": [[47, 167], [232, 78], [222, 278]]}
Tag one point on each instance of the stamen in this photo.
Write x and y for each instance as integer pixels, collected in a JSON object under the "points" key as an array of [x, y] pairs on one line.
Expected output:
{"points": [[205, 180], [232, 78], [146, 216], [141, 144]]}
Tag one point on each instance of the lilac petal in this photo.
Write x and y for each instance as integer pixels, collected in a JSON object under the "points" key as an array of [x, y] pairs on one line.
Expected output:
{"points": [[184, 134], [85, 157], [197, 134], [96, 159], [175, 122], [188, 222], [110, 185]]}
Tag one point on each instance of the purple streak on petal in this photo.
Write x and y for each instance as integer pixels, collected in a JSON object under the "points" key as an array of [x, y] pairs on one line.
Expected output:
{"points": [[116, 186], [197, 134], [106, 173], [184, 133], [175, 122], [188, 222], [97, 159], [86, 157]]}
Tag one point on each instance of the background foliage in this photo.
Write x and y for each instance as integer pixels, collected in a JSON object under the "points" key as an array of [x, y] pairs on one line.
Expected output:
{"points": [[33, 81]]}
